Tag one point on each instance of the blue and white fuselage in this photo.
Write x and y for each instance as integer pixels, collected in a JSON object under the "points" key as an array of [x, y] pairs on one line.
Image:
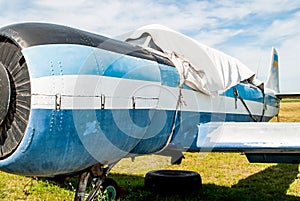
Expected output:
{"points": [[89, 104]]}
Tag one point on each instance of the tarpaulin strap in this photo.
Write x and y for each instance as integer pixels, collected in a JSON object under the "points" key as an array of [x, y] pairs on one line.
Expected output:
{"points": [[264, 108], [180, 101], [236, 95]]}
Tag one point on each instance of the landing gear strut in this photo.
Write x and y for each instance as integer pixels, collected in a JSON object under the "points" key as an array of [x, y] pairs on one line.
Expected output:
{"points": [[99, 182]]}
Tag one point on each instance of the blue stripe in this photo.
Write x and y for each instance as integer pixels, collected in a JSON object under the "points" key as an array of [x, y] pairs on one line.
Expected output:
{"points": [[49, 60], [58, 60], [246, 92], [169, 76], [252, 94], [59, 142], [275, 57]]}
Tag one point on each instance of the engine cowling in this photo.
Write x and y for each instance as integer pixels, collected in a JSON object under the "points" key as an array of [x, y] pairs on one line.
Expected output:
{"points": [[38, 137]]}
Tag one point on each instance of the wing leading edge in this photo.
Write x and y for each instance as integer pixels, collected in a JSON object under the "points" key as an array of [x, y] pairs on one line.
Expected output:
{"points": [[262, 142]]}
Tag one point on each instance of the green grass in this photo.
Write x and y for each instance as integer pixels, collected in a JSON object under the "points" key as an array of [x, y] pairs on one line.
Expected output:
{"points": [[290, 100], [225, 176], [13, 187]]}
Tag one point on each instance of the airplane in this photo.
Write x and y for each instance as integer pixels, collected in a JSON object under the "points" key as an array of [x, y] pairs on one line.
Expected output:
{"points": [[74, 102]]}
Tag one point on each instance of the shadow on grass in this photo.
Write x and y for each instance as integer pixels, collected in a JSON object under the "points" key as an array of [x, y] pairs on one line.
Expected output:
{"points": [[270, 184]]}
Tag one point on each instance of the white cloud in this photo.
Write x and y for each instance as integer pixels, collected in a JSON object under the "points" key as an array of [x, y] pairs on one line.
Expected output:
{"points": [[263, 7]]}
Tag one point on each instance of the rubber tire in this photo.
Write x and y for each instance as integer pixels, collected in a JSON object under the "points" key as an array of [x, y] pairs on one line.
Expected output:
{"points": [[167, 180], [112, 189]]}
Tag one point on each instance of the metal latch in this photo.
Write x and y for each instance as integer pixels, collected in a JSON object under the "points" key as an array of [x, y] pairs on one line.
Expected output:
{"points": [[57, 101], [133, 102], [102, 101]]}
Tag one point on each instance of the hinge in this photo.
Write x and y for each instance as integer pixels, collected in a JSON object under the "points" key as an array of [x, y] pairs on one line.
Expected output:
{"points": [[57, 101], [133, 102], [102, 101]]}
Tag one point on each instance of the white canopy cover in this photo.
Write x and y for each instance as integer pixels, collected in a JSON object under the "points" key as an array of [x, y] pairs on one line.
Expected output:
{"points": [[200, 67]]}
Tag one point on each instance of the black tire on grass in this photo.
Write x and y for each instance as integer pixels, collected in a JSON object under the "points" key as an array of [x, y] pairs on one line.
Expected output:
{"points": [[172, 179]]}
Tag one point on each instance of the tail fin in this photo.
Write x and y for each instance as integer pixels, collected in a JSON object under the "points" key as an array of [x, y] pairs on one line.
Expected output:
{"points": [[273, 78]]}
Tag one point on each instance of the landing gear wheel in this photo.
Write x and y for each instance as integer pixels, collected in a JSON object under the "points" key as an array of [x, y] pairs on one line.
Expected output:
{"points": [[166, 180], [103, 188], [110, 190]]}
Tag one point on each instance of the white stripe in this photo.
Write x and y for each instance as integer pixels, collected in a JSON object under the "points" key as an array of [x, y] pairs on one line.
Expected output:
{"points": [[85, 91]]}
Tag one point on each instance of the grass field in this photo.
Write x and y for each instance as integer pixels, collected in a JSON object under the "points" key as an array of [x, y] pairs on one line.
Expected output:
{"points": [[225, 176]]}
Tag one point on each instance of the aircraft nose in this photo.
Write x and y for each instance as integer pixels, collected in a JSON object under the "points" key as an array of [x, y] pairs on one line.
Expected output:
{"points": [[5, 92]]}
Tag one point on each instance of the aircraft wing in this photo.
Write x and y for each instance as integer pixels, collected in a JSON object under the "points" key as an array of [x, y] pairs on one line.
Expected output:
{"points": [[265, 141], [250, 136]]}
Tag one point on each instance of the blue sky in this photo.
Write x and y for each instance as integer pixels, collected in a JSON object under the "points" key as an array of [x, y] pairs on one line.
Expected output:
{"points": [[246, 29]]}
